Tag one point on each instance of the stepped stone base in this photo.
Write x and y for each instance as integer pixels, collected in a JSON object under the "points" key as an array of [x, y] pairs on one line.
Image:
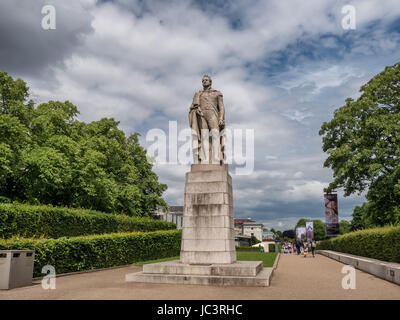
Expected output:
{"points": [[208, 255], [208, 235], [240, 273]]}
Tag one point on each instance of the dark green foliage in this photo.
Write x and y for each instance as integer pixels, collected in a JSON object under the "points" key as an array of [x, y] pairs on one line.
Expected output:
{"points": [[289, 234], [98, 251], [253, 240], [47, 156], [278, 234], [363, 146], [319, 228], [248, 249], [53, 222], [271, 247], [344, 226], [378, 243], [359, 221]]}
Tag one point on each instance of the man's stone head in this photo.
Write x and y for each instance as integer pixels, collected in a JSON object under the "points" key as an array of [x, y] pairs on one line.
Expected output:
{"points": [[206, 81]]}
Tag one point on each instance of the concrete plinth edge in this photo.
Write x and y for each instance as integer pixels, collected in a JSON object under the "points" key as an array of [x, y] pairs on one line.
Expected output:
{"points": [[389, 271], [261, 280], [240, 273]]}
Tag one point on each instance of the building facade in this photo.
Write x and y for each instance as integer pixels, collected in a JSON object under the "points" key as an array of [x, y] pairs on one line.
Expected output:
{"points": [[248, 227], [173, 214], [253, 229]]}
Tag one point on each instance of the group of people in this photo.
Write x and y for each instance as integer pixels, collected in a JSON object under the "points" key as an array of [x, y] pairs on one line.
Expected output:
{"points": [[304, 248], [287, 247]]}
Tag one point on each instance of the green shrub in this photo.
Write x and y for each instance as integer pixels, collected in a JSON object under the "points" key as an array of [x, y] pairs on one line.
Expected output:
{"points": [[30, 221], [247, 248], [271, 247], [378, 243], [98, 251]]}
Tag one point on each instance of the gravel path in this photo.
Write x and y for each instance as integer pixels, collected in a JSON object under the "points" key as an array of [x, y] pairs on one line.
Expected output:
{"points": [[295, 278]]}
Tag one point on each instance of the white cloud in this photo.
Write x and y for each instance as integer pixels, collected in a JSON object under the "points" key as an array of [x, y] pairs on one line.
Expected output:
{"points": [[142, 63]]}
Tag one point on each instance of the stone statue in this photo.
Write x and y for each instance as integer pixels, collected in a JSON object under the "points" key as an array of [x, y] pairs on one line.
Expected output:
{"points": [[208, 254], [207, 120]]}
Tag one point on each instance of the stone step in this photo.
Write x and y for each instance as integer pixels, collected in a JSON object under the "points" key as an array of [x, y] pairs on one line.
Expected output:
{"points": [[261, 280], [237, 269]]}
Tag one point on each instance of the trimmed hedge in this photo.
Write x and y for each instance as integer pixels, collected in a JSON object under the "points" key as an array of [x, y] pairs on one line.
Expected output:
{"points": [[30, 221], [247, 249], [377, 243], [98, 251]]}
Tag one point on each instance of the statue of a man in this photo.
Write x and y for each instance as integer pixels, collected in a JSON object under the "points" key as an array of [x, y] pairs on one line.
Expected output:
{"points": [[207, 120]]}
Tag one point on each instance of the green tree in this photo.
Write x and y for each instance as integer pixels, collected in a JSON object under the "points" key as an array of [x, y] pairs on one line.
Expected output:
{"points": [[361, 217], [363, 146], [48, 156], [290, 234], [344, 226], [319, 228], [253, 240], [357, 222]]}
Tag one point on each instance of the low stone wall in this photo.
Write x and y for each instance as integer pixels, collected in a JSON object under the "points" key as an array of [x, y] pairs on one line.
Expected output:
{"points": [[389, 271]]}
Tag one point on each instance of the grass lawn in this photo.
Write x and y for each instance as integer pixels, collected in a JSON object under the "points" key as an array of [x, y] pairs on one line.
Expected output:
{"points": [[268, 258]]}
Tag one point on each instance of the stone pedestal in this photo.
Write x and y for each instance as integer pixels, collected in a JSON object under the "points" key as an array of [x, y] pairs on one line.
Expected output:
{"points": [[208, 255], [208, 231], [240, 273]]}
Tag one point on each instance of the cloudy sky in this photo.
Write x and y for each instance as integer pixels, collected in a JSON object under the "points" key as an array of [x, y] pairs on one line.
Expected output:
{"points": [[283, 67]]}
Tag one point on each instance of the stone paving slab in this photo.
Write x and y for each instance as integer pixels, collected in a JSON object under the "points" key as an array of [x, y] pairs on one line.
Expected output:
{"points": [[296, 277]]}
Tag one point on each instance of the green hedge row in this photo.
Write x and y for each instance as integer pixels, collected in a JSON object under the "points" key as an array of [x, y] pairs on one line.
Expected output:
{"points": [[245, 248], [378, 243], [30, 221], [98, 251]]}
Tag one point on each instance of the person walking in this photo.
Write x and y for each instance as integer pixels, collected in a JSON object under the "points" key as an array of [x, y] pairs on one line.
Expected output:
{"points": [[305, 250], [313, 246], [297, 243]]}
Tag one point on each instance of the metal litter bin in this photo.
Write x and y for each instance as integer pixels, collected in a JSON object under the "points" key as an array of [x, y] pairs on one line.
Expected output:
{"points": [[16, 268]]}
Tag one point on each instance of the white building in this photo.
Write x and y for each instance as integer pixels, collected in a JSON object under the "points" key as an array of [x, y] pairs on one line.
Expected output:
{"points": [[253, 228]]}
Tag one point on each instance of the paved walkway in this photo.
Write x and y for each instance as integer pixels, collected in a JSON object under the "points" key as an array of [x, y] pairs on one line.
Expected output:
{"points": [[295, 278]]}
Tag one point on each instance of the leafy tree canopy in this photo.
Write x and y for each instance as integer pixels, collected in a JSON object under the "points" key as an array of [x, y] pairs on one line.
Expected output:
{"points": [[319, 228], [363, 146], [289, 234], [253, 240], [48, 156], [344, 226]]}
